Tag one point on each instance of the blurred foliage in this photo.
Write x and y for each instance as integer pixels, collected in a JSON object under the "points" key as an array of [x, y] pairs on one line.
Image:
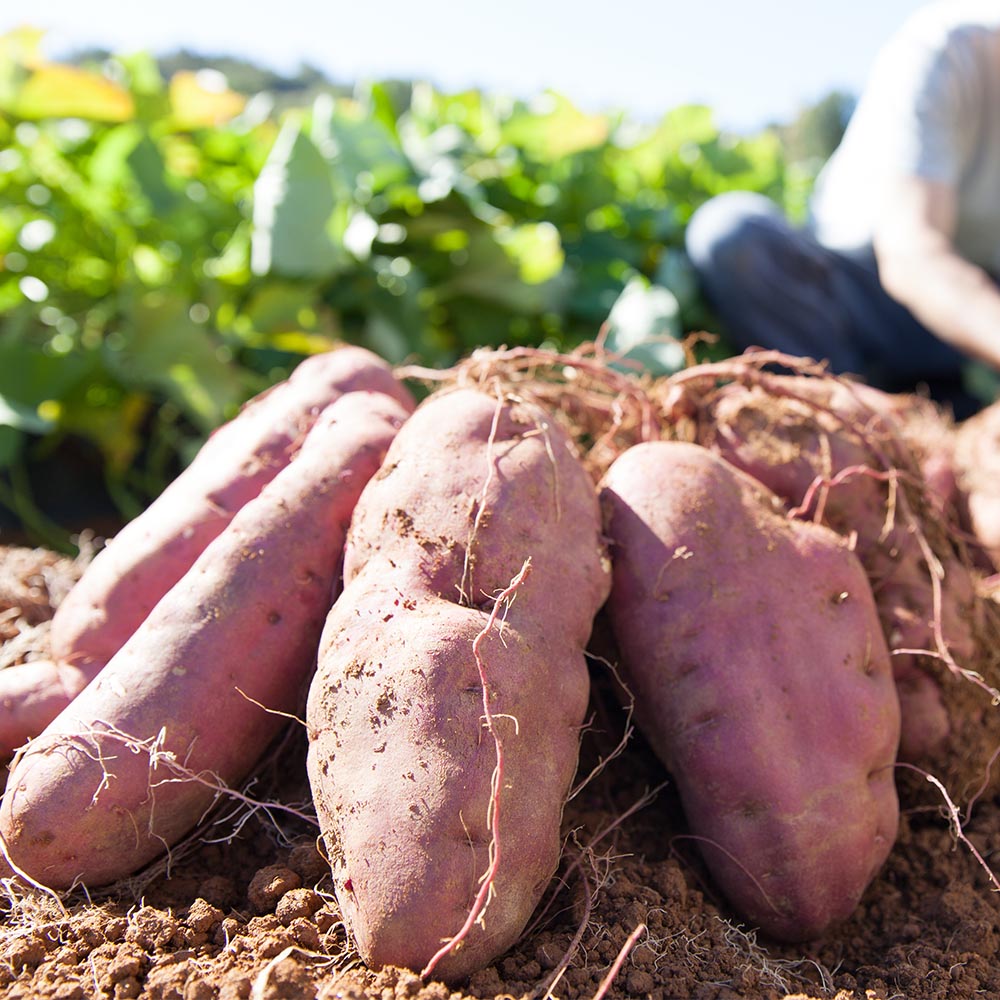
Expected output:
{"points": [[816, 132], [242, 75], [170, 246]]}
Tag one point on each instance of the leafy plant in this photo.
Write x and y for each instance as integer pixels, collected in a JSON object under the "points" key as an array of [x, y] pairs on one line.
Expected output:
{"points": [[169, 246]]}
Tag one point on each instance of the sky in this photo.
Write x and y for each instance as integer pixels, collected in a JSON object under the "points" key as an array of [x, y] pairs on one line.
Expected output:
{"points": [[752, 62]]}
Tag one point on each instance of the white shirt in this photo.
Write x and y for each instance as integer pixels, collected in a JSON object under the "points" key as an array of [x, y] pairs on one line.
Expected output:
{"points": [[931, 109]]}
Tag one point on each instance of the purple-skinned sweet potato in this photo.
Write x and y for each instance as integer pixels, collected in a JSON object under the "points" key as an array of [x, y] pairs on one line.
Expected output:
{"points": [[444, 722], [192, 699], [149, 555], [752, 645], [843, 454], [977, 457]]}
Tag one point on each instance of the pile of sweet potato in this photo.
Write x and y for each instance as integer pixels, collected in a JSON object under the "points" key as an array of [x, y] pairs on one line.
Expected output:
{"points": [[793, 571]]}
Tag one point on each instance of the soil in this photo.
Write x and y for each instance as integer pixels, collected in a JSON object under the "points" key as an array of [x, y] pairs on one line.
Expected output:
{"points": [[245, 909]]}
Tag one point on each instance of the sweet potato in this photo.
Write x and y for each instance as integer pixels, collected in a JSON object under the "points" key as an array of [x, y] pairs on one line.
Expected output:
{"points": [[761, 679], [150, 554], [444, 718], [838, 452], [189, 703], [977, 457]]}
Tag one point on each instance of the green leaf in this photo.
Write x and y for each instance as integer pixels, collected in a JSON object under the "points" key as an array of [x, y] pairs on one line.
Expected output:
{"points": [[473, 111], [381, 103], [386, 339], [676, 273], [277, 307], [147, 165], [362, 152], [30, 377], [677, 134], [643, 327], [101, 412], [553, 127], [22, 418], [146, 85], [162, 347], [108, 167], [494, 275], [11, 444], [293, 202], [536, 249], [150, 266], [232, 265]]}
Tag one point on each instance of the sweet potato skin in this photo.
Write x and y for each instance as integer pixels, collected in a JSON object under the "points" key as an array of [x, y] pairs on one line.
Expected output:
{"points": [[762, 680], [796, 431], [230, 645], [401, 757], [977, 456], [152, 552]]}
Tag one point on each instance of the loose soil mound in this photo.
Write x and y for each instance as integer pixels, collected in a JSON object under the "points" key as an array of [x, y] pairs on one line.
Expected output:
{"points": [[245, 910]]}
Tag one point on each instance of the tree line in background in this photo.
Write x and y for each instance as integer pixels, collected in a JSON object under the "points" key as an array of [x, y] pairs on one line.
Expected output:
{"points": [[176, 234]]}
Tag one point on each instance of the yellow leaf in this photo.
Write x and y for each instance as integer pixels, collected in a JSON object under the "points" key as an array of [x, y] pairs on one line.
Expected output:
{"points": [[202, 99], [300, 342], [56, 91], [22, 46]]}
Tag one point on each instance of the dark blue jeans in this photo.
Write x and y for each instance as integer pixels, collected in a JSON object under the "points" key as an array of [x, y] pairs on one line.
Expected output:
{"points": [[775, 286]]}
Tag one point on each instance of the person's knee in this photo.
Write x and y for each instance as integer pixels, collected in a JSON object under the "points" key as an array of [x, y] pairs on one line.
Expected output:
{"points": [[730, 228]]}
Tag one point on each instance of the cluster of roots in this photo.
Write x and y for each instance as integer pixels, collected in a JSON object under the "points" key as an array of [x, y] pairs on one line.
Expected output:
{"points": [[879, 469]]}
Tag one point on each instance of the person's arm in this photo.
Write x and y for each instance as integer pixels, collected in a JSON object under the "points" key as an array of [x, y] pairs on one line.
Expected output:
{"points": [[919, 267]]}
